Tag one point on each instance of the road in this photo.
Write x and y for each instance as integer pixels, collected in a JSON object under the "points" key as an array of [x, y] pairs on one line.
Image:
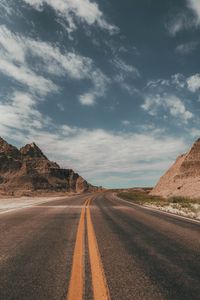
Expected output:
{"points": [[95, 246]]}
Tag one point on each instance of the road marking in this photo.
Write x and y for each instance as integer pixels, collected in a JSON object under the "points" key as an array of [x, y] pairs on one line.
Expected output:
{"points": [[77, 279], [100, 288], [76, 285]]}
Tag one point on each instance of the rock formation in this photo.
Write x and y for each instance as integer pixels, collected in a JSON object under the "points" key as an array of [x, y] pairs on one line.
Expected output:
{"points": [[183, 177], [28, 170]]}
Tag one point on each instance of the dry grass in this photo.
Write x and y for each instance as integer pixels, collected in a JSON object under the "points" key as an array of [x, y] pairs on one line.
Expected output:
{"points": [[140, 197], [143, 198]]}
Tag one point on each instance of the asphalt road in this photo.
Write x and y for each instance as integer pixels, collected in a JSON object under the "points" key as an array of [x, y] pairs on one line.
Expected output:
{"points": [[97, 247]]}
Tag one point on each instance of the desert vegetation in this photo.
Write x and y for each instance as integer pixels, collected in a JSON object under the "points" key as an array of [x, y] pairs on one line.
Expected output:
{"points": [[180, 205]]}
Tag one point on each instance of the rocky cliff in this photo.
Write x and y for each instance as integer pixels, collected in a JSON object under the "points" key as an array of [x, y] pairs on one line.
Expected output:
{"points": [[183, 177], [28, 170]]}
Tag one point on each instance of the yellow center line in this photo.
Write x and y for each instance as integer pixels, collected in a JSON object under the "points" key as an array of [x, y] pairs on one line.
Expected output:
{"points": [[77, 279], [100, 288], [76, 285]]}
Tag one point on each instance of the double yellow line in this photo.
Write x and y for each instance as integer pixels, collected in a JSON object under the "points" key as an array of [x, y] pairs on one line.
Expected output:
{"points": [[77, 279]]}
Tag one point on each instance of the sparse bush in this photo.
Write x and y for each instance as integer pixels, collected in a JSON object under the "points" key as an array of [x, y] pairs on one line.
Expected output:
{"points": [[142, 197]]}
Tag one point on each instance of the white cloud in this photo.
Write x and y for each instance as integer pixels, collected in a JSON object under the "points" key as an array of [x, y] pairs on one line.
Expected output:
{"points": [[12, 44], [87, 99], [126, 122], [193, 82], [73, 10], [195, 6], [100, 82], [7, 9], [124, 74], [194, 132], [60, 106], [19, 111], [122, 66], [71, 64], [98, 148], [170, 103], [15, 49], [187, 48], [178, 22], [177, 108], [176, 80], [25, 76], [186, 19]]}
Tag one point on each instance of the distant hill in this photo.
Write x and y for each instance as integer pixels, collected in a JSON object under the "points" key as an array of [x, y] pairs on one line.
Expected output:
{"points": [[28, 170], [183, 177]]}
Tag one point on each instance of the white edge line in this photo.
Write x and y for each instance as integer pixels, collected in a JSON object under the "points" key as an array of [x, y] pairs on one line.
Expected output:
{"points": [[157, 210]]}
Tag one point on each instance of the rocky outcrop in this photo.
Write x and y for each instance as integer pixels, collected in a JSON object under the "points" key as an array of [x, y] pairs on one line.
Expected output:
{"points": [[28, 170], [32, 151], [183, 177]]}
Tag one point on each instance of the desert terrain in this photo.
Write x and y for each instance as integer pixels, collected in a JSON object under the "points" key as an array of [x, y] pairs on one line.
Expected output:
{"points": [[62, 238]]}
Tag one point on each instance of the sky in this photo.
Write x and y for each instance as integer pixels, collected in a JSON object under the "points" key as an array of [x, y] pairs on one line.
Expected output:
{"points": [[108, 88]]}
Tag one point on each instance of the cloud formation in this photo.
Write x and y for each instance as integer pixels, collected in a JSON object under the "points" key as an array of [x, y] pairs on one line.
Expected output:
{"points": [[194, 5], [187, 48], [15, 50], [193, 83], [19, 112], [73, 11], [170, 104], [13, 63], [187, 18]]}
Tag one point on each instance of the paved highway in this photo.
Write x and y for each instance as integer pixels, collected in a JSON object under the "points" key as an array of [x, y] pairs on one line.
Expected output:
{"points": [[97, 247]]}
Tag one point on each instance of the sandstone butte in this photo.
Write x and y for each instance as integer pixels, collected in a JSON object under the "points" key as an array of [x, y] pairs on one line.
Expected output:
{"points": [[28, 171], [183, 177]]}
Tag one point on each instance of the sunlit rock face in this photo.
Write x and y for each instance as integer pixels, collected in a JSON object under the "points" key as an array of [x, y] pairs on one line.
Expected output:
{"points": [[183, 177]]}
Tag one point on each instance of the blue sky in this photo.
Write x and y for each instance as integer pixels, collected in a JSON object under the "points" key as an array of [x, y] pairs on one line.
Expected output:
{"points": [[108, 88]]}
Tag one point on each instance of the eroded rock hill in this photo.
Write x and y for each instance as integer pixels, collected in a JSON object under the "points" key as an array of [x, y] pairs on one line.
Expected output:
{"points": [[28, 170], [183, 177]]}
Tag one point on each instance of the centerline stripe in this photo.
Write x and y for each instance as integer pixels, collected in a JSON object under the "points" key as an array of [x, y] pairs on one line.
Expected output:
{"points": [[77, 279], [100, 288], [76, 285]]}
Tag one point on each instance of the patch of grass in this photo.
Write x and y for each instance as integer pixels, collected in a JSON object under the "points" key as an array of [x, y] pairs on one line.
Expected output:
{"points": [[184, 202], [141, 197], [180, 201]]}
